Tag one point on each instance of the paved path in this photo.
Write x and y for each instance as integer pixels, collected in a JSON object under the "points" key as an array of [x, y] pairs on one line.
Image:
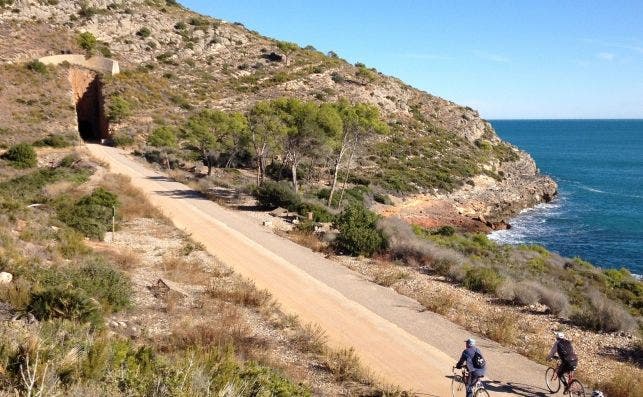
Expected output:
{"points": [[392, 335]]}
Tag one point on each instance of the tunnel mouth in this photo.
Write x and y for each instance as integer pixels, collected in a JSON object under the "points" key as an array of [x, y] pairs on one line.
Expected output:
{"points": [[93, 126]]}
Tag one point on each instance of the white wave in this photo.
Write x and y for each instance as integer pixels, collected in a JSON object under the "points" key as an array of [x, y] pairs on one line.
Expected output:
{"points": [[530, 224]]}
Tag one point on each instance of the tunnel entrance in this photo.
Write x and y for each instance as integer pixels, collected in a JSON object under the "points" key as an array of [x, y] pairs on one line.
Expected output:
{"points": [[88, 99]]}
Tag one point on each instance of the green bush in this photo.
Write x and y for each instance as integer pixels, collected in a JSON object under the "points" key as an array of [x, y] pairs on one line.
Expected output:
{"points": [[64, 302], [87, 41], [91, 215], [143, 32], [71, 243], [21, 155], [445, 231], [55, 141], [162, 137], [358, 232], [37, 66], [277, 194], [118, 108], [320, 212], [121, 140], [482, 279], [111, 288]]}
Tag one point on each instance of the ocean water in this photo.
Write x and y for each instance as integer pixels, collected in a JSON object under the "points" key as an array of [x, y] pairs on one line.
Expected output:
{"points": [[598, 165]]}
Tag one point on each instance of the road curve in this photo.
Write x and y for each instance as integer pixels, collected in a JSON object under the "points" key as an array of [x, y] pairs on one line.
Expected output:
{"points": [[393, 336]]}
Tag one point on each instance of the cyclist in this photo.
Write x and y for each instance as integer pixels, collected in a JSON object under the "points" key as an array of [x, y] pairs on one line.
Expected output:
{"points": [[472, 357], [568, 360]]}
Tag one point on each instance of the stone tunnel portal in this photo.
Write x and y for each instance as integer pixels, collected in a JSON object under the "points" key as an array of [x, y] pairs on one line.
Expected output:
{"points": [[88, 99]]}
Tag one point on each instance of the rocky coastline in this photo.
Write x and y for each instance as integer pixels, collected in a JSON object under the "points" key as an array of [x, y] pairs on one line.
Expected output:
{"points": [[483, 204]]}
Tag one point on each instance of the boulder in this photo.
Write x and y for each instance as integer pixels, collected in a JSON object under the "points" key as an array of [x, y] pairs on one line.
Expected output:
{"points": [[5, 278]]}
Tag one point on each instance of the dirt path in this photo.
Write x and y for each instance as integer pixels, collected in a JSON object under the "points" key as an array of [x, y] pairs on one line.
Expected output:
{"points": [[393, 336]]}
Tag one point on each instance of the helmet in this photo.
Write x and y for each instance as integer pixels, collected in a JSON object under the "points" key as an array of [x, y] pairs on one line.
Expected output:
{"points": [[597, 393], [471, 342], [559, 335]]}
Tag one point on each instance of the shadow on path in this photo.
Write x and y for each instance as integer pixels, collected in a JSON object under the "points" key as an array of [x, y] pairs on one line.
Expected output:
{"points": [[518, 389], [181, 194]]}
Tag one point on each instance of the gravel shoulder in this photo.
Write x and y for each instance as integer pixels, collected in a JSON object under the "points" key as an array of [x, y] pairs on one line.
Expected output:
{"points": [[400, 341]]}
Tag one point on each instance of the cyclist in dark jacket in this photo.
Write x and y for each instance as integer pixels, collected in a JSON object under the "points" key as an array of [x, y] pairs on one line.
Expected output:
{"points": [[467, 358], [568, 360]]}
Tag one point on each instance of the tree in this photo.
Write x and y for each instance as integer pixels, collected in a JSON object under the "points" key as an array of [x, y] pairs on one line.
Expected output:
{"points": [[163, 137], [201, 130], [235, 136], [287, 48], [358, 121], [266, 132], [307, 129]]}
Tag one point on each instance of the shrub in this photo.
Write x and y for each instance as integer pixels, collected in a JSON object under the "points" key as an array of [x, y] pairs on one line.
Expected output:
{"points": [[91, 215], [55, 141], [162, 137], [37, 66], [337, 77], [122, 140], [66, 303], [277, 194], [482, 279], [358, 232], [603, 314], [144, 32], [118, 108], [71, 244], [445, 231], [21, 155], [87, 41], [111, 288], [320, 212]]}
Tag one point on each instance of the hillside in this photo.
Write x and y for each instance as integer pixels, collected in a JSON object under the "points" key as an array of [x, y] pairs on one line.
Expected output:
{"points": [[441, 163]]}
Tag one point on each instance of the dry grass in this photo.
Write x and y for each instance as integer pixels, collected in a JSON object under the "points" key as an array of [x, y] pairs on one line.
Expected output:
{"points": [[624, 384], [502, 327], [238, 291], [308, 240], [125, 259], [134, 204], [16, 293], [440, 303], [310, 339], [387, 275], [184, 270], [228, 328], [344, 365]]}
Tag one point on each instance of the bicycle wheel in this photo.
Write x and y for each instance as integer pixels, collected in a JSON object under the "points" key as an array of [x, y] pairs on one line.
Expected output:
{"points": [[576, 389], [481, 393], [552, 381], [457, 386]]}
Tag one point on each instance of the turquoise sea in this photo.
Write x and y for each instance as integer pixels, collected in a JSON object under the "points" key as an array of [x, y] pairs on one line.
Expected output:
{"points": [[598, 165]]}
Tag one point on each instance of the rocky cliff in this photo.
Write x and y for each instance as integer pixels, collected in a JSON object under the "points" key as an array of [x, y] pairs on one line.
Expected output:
{"points": [[175, 62]]}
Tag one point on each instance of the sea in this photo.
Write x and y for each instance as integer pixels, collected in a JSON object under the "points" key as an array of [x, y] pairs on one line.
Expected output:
{"points": [[598, 213]]}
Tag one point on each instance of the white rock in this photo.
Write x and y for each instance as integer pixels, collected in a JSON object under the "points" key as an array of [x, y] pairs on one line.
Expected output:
{"points": [[5, 278]]}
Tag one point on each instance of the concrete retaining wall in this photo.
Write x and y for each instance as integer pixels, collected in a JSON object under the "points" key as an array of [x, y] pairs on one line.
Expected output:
{"points": [[97, 63]]}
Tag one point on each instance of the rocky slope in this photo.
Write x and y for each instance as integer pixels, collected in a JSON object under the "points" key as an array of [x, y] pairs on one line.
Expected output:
{"points": [[177, 62]]}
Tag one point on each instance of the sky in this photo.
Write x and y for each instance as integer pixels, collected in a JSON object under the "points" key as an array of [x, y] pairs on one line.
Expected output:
{"points": [[507, 59]]}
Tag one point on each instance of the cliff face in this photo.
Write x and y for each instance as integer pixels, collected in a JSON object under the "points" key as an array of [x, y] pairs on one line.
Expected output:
{"points": [[175, 62]]}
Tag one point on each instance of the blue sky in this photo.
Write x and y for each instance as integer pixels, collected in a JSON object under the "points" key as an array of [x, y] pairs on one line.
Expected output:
{"points": [[508, 59]]}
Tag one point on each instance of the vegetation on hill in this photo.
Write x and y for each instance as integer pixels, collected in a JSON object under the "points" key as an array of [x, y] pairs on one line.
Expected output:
{"points": [[64, 294]]}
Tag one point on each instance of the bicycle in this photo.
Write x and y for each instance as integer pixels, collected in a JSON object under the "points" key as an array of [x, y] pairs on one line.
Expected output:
{"points": [[459, 384], [575, 388]]}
